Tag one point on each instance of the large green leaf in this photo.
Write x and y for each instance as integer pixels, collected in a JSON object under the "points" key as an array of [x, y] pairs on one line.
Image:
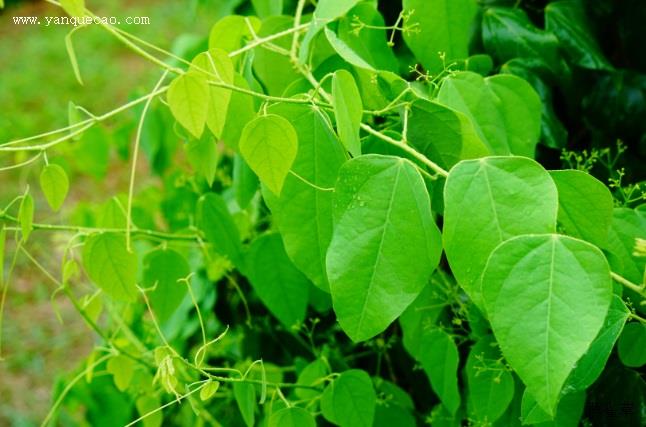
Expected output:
{"points": [[490, 384], [533, 287], [439, 26], [245, 396], [585, 206], [215, 221], [443, 135], [55, 185], [348, 110], [303, 212], [438, 355], [188, 99], [419, 317], [111, 266], [568, 21], [269, 145], [385, 244], [508, 33], [589, 367], [627, 225], [291, 417], [487, 201], [280, 286], [162, 270], [505, 110], [568, 412], [350, 400]]}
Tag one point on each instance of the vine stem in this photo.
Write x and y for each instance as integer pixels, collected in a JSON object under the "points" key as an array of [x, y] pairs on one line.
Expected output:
{"points": [[135, 156], [641, 290]]}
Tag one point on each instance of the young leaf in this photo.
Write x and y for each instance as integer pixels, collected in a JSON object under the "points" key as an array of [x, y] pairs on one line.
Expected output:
{"points": [[147, 406], [266, 8], [162, 270], [75, 8], [585, 206], [632, 345], [438, 355], [505, 110], [570, 279], [122, 369], [269, 145], [443, 135], [111, 266], [216, 66], [438, 27], [487, 201], [350, 400], [280, 286], [26, 216], [385, 244], [311, 375], [291, 417], [230, 32], [188, 99], [245, 395], [303, 212], [215, 221], [490, 384], [348, 110], [55, 185], [209, 390], [69, 46], [589, 367]]}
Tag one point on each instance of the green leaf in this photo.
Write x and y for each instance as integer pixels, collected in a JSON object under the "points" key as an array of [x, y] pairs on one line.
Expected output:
{"points": [[490, 384], [627, 225], [632, 345], [568, 21], [245, 182], [326, 11], [303, 212], [209, 390], [269, 145], [585, 206], [188, 99], [369, 45], [147, 406], [266, 8], [346, 52], [55, 185], [74, 8], [231, 32], [568, 413], [570, 279], [505, 110], [421, 315], [202, 154], [162, 270], [439, 26], [291, 417], [350, 400], [69, 46], [443, 135], [245, 395], [589, 367], [122, 369], [219, 67], [348, 110], [312, 375], [26, 216], [215, 221], [438, 355], [508, 33], [240, 112], [111, 266], [385, 244], [280, 286], [74, 117], [487, 201], [275, 70]]}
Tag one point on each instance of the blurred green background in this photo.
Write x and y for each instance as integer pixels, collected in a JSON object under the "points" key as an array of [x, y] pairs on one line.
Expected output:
{"points": [[36, 84]]}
